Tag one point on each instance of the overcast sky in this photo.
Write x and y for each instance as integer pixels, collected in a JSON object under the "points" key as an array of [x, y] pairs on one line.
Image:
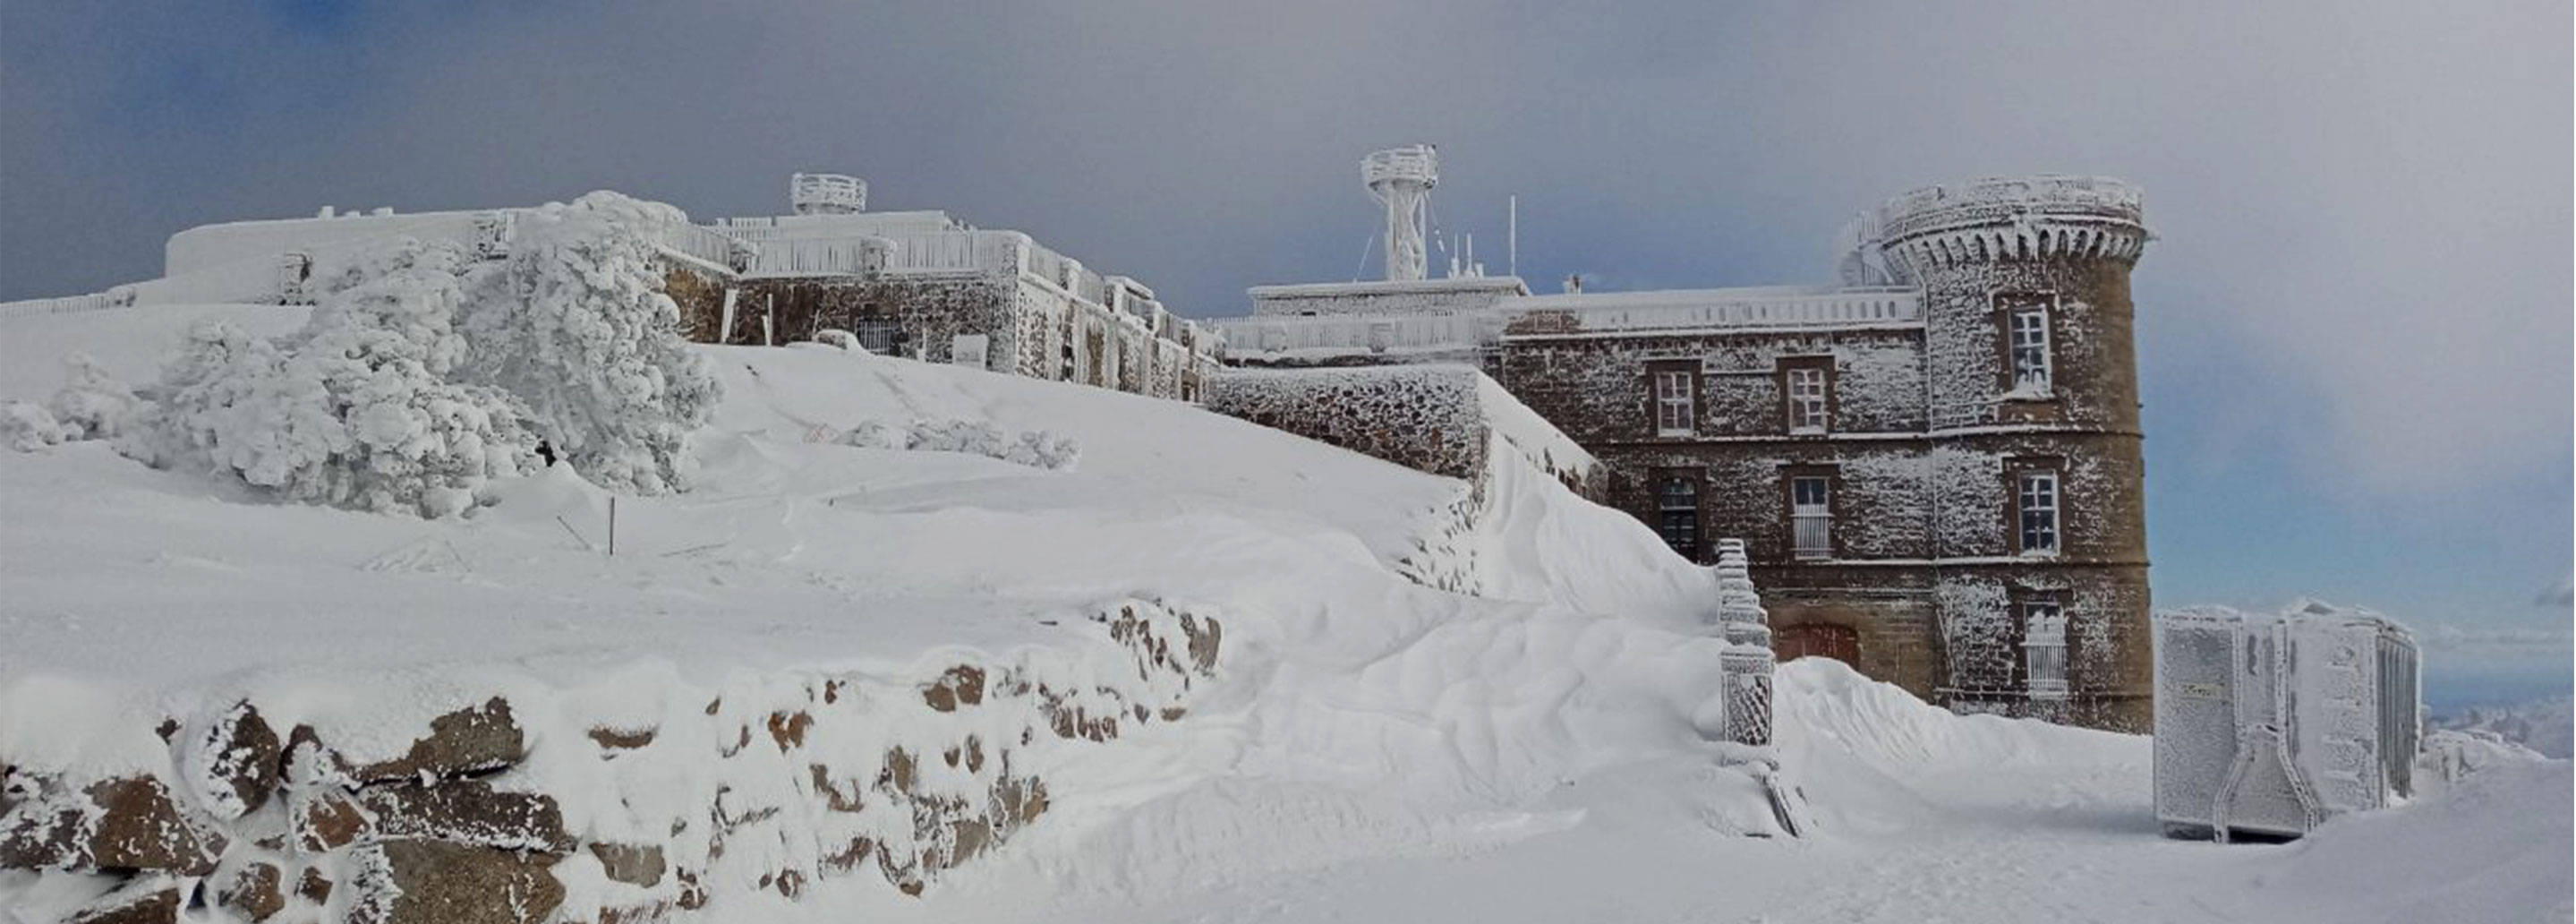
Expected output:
{"points": [[2355, 328]]}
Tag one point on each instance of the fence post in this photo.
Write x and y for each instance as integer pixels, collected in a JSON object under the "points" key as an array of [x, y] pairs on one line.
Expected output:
{"points": [[1746, 668]]}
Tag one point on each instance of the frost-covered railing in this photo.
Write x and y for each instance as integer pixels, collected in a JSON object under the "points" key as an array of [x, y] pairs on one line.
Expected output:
{"points": [[810, 257], [1274, 333], [252, 281], [1689, 310], [702, 243], [94, 301], [949, 252], [1934, 205], [942, 252]]}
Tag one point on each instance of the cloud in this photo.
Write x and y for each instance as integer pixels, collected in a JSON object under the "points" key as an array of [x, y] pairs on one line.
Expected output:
{"points": [[2450, 639]]}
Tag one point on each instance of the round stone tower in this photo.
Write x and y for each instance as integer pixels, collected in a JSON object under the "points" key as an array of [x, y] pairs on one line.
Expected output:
{"points": [[2035, 479]]}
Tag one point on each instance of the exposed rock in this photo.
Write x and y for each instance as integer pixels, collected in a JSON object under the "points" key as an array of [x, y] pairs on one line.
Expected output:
{"points": [[788, 728], [833, 797], [123, 823], [430, 882], [693, 894], [791, 883], [967, 837], [1203, 642], [314, 886], [960, 685], [306, 762], [468, 740], [147, 900], [237, 763], [468, 812], [631, 864], [323, 819], [1020, 800], [897, 775], [254, 892], [848, 858], [637, 914], [614, 740]]}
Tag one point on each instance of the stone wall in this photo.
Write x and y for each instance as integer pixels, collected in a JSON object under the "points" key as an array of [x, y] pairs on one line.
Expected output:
{"points": [[501, 811], [1419, 417]]}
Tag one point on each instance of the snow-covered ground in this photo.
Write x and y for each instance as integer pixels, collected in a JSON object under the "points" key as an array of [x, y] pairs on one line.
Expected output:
{"points": [[1370, 748]]}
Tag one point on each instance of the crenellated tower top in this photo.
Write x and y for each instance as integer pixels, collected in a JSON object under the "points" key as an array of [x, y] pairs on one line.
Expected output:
{"points": [[2028, 218]]}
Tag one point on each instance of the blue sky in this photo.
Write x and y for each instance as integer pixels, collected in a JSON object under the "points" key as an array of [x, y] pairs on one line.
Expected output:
{"points": [[2354, 330]]}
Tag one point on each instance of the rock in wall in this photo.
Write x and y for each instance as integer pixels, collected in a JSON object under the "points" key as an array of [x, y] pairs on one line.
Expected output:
{"points": [[622, 799]]}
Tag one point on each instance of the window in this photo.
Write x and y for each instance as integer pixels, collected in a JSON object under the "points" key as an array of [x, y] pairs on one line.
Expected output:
{"points": [[2027, 328], [1811, 517], [1677, 515], [879, 336], [1806, 399], [2043, 648], [1676, 400], [2035, 501]]}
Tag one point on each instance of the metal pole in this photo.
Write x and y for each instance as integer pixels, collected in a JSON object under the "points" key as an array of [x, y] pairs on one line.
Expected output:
{"points": [[612, 524], [1512, 242]]}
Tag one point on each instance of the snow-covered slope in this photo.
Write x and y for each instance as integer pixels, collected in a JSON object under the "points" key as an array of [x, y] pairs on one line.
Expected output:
{"points": [[810, 547], [1363, 748]]}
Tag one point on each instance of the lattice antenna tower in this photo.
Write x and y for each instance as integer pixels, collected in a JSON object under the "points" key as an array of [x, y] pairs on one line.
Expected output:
{"points": [[1401, 179]]}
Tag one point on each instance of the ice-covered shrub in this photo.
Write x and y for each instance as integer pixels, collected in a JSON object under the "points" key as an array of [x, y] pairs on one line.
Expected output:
{"points": [[26, 426], [93, 404], [357, 409], [577, 326]]}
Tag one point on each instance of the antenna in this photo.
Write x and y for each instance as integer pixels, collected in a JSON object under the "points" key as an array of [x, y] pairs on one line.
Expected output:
{"points": [[1401, 179], [1512, 240]]}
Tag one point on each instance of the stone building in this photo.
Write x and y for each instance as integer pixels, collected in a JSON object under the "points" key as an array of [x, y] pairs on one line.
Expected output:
{"points": [[1935, 464], [917, 284], [924, 285]]}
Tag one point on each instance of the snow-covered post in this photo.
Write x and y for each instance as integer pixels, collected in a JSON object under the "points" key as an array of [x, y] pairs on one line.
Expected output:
{"points": [[1746, 665]]}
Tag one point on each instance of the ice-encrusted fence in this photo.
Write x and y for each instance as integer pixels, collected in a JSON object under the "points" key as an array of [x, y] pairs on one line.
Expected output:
{"points": [[1748, 664]]}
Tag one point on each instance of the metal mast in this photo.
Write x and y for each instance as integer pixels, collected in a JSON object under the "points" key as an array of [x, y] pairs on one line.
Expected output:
{"points": [[1401, 179]]}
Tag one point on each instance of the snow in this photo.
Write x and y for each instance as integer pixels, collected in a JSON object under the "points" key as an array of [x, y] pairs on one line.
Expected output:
{"points": [[1367, 748]]}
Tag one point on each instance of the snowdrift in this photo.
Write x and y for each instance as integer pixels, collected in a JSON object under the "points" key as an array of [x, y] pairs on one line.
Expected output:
{"points": [[768, 684], [933, 644]]}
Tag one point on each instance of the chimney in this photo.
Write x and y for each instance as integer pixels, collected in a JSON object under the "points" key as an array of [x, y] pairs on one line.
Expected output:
{"points": [[1574, 284]]}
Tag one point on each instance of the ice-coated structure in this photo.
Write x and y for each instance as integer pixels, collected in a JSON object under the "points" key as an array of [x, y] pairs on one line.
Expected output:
{"points": [[2269, 724], [1748, 665], [1936, 462]]}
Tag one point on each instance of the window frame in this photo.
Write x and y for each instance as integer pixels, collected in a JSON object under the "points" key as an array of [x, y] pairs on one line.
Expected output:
{"points": [[1660, 400], [1823, 403], [1661, 497], [1823, 479], [2045, 643], [2010, 309], [2021, 476]]}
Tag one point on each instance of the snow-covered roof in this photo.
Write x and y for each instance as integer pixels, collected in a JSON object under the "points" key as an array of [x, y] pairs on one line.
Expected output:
{"points": [[857, 224], [1505, 284], [1765, 307]]}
